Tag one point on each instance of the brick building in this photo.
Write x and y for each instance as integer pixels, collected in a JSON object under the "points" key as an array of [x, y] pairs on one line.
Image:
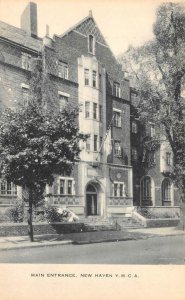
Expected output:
{"points": [[151, 184], [83, 72]]}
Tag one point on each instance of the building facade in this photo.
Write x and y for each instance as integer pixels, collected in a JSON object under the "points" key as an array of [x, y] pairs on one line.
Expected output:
{"points": [[83, 72], [152, 185]]}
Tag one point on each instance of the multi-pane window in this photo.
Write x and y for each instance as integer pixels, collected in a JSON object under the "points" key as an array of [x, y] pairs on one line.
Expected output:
{"points": [[91, 44], [63, 100], [168, 158], [63, 70], [115, 189], [95, 110], [94, 78], [117, 148], [62, 186], [95, 142], [116, 89], [66, 186], [134, 154], [152, 130], [88, 144], [25, 96], [146, 194], [86, 76], [26, 61], [87, 109], [117, 119], [153, 157], [166, 191], [69, 187], [119, 189], [134, 127], [100, 113], [8, 188]]}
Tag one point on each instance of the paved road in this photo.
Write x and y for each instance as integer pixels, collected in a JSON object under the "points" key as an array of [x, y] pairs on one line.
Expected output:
{"points": [[156, 250]]}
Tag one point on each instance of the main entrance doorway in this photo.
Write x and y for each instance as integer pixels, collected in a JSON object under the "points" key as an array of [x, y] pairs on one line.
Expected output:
{"points": [[91, 200]]}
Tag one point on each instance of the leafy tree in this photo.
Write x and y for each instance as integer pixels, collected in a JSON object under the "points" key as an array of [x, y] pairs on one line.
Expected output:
{"points": [[36, 143], [157, 71]]}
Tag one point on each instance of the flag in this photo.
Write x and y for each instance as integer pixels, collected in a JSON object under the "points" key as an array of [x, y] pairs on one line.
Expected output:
{"points": [[107, 145]]}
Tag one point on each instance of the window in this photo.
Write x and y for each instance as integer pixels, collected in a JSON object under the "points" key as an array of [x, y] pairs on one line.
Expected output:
{"points": [[63, 70], [26, 61], [88, 144], [166, 191], [86, 76], [25, 96], [119, 189], [134, 127], [87, 109], [95, 108], [63, 99], [134, 154], [69, 187], [66, 186], [152, 130], [62, 185], [117, 118], [133, 98], [115, 189], [117, 148], [91, 44], [116, 89], [146, 191], [168, 158], [100, 113], [95, 142], [152, 157], [8, 188], [100, 84], [94, 79], [101, 141]]}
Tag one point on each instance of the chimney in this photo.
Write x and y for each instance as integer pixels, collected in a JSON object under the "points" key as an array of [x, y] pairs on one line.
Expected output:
{"points": [[29, 19]]}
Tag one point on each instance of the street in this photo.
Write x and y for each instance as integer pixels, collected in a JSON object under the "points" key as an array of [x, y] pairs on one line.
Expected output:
{"points": [[156, 250]]}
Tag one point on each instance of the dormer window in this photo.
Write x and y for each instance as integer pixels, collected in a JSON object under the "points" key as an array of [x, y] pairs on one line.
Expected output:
{"points": [[91, 44]]}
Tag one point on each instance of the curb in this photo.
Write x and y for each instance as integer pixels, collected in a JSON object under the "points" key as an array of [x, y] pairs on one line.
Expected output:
{"points": [[50, 244]]}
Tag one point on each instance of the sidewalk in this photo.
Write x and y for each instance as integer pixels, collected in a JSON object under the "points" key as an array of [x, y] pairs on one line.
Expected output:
{"points": [[19, 242]]}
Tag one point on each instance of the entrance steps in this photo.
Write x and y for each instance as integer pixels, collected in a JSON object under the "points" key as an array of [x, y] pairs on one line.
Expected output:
{"points": [[98, 223]]}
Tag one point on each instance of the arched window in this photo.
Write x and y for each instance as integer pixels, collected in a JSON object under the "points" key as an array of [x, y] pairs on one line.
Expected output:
{"points": [[7, 188], [146, 191], [91, 189], [166, 192]]}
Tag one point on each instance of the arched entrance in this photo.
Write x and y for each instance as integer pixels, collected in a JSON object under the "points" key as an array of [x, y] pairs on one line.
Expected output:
{"points": [[91, 200]]}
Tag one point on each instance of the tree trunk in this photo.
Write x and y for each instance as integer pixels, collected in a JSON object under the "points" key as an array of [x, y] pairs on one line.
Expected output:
{"points": [[30, 211]]}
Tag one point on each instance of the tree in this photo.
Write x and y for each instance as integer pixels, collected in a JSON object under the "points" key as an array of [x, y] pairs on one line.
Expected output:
{"points": [[36, 143], [157, 71]]}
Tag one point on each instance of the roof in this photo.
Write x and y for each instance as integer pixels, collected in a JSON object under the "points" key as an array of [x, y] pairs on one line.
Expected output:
{"points": [[87, 26], [19, 36]]}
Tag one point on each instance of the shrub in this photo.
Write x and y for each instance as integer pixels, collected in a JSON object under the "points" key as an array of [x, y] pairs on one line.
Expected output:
{"points": [[52, 215], [16, 214]]}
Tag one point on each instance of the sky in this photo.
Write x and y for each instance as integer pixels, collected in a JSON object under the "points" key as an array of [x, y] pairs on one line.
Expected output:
{"points": [[122, 22]]}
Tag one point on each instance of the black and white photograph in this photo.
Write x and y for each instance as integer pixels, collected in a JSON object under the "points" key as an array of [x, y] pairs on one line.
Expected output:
{"points": [[92, 137]]}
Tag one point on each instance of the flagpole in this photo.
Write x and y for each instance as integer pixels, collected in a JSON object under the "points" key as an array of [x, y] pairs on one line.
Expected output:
{"points": [[105, 136]]}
